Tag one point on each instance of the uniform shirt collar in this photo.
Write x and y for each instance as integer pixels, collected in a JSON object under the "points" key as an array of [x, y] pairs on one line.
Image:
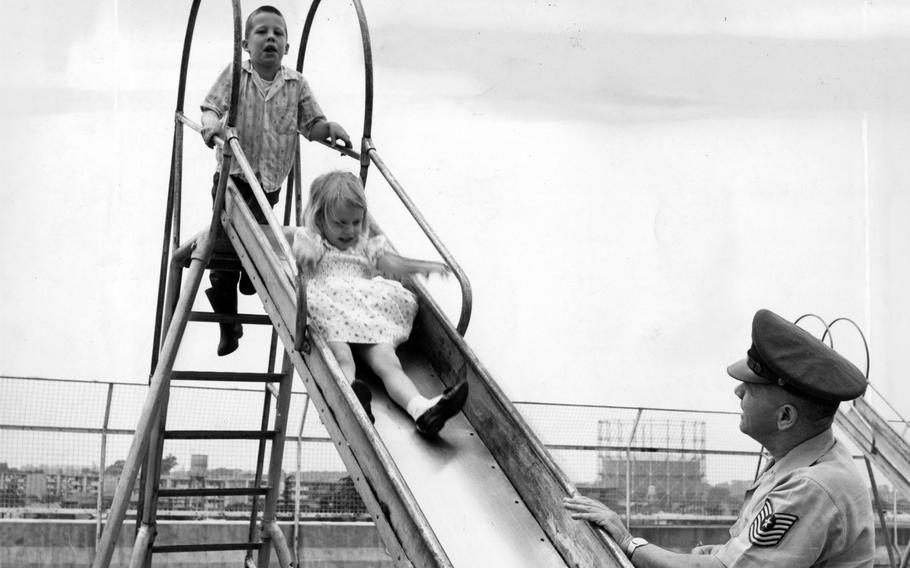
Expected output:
{"points": [[805, 454]]}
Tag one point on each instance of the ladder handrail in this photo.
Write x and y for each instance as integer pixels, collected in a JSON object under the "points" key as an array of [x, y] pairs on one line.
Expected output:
{"points": [[881, 433], [369, 154], [864, 436], [899, 418], [466, 293]]}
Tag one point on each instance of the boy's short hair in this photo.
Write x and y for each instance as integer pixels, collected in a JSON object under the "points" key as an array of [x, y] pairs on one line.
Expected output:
{"points": [[263, 9]]}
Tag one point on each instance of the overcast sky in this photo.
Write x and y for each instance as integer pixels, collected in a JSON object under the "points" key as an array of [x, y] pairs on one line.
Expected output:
{"points": [[625, 183]]}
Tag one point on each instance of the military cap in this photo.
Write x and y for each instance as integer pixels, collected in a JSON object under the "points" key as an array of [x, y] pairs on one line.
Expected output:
{"points": [[785, 354]]}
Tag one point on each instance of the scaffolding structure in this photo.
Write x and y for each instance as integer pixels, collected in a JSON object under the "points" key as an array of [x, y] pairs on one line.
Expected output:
{"points": [[655, 464]]}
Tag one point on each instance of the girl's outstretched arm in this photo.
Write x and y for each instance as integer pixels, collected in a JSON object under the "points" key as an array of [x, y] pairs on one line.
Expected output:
{"points": [[401, 266], [305, 250]]}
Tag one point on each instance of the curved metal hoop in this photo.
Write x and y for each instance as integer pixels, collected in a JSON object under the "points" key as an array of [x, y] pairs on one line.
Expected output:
{"points": [[368, 76], [861, 336], [830, 336], [172, 209], [823, 322], [235, 64]]}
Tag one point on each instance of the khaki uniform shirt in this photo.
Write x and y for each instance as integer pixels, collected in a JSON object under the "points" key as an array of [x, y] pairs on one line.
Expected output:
{"points": [[269, 119], [809, 509]]}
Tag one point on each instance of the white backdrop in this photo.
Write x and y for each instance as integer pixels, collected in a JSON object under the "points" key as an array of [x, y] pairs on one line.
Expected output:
{"points": [[624, 183]]}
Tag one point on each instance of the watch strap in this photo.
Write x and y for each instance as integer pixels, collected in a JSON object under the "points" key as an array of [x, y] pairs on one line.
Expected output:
{"points": [[634, 544]]}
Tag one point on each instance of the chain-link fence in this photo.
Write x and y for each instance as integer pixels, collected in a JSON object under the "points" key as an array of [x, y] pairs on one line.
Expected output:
{"points": [[63, 445]]}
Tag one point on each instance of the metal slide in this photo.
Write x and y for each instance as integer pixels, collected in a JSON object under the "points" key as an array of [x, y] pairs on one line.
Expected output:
{"points": [[486, 493], [884, 446], [878, 440], [867, 428]]}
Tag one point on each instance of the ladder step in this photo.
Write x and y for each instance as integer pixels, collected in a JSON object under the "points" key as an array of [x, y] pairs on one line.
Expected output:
{"points": [[219, 434], [226, 376], [255, 319], [207, 547], [215, 492]]}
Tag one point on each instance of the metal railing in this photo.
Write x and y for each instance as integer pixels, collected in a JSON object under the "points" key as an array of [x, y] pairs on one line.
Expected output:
{"points": [[60, 446]]}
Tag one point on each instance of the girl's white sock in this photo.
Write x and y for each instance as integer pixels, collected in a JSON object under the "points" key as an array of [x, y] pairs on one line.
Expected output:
{"points": [[420, 404]]}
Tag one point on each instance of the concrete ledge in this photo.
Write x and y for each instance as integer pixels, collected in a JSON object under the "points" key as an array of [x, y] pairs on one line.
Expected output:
{"points": [[42, 543]]}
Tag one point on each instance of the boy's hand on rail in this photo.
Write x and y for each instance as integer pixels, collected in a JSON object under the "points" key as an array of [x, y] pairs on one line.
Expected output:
{"points": [[211, 127], [331, 132], [337, 134], [209, 133]]}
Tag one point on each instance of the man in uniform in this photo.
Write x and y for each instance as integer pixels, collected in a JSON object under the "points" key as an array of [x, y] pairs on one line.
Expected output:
{"points": [[810, 507]]}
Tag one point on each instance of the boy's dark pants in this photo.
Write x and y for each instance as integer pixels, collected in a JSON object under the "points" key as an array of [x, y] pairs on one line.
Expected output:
{"points": [[223, 293]]}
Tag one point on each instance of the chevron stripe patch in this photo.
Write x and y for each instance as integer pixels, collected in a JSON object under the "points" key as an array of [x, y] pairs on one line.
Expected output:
{"points": [[768, 527]]}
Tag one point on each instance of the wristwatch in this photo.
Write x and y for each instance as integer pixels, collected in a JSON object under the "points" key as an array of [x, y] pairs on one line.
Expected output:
{"points": [[634, 544]]}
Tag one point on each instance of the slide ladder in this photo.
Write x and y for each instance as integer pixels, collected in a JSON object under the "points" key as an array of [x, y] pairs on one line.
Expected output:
{"points": [[889, 450], [867, 428], [878, 440], [485, 493], [271, 435]]}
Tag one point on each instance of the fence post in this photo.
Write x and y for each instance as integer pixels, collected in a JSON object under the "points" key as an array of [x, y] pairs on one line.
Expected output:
{"points": [[629, 468], [107, 417], [298, 538]]}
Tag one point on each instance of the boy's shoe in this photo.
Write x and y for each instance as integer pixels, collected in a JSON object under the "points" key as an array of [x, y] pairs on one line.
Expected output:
{"points": [[431, 422], [246, 285], [226, 303], [230, 338], [365, 397]]}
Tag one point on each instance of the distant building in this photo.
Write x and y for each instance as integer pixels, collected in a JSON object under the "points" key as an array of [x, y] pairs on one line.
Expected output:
{"points": [[68, 488], [36, 486], [12, 488], [216, 479], [660, 464], [199, 465], [323, 494]]}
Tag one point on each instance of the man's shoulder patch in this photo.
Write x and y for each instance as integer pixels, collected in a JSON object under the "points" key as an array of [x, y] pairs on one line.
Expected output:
{"points": [[768, 528]]}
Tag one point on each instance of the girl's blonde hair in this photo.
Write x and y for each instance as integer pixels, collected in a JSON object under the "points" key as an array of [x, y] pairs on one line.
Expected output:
{"points": [[329, 192]]}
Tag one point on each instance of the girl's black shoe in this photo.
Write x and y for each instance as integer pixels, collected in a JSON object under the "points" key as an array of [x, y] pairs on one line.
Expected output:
{"points": [[431, 422], [365, 397]]}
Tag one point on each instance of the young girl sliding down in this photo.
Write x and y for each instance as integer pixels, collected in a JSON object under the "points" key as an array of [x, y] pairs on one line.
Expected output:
{"points": [[354, 308]]}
